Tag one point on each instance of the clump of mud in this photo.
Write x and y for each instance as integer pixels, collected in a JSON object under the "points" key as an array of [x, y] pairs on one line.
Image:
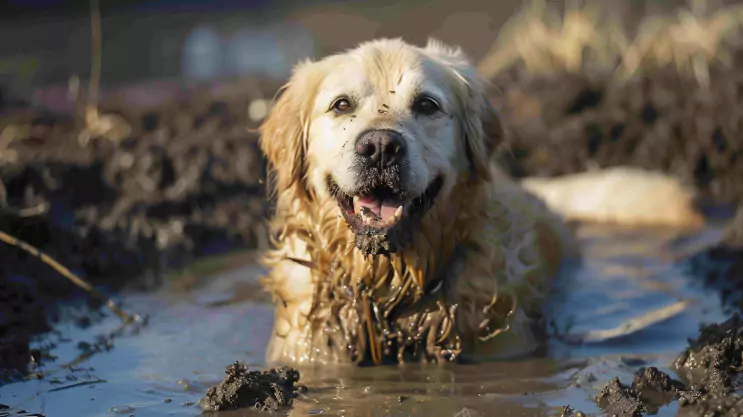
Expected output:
{"points": [[650, 390], [618, 399], [568, 411], [710, 370], [714, 358], [264, 391]]}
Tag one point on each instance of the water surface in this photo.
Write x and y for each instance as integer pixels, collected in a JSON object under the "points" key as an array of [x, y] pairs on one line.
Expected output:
{"points": [[195, 330]]}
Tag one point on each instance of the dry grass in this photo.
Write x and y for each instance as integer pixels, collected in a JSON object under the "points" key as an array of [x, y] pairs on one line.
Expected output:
{"points": [[543, 42], [92, 123], [586, 39]]}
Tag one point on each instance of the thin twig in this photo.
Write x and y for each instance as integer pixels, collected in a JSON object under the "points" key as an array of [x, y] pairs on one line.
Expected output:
{"points": [[62, 270], [36, 210], [96, 53], [78, 384]]}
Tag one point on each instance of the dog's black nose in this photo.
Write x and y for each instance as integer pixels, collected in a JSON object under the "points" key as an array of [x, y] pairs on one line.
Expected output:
{"points": [[383, 147]]}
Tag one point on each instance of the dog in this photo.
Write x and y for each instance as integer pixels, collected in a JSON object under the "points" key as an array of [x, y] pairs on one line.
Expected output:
{"points": [[396, 236]]}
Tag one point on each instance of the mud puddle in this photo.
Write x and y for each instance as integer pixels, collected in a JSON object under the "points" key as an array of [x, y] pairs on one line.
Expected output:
{"points": [[196, 330]]}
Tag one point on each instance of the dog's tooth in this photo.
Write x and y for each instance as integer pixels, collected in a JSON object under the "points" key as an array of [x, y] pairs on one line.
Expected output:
{"points": [[398, 213]]}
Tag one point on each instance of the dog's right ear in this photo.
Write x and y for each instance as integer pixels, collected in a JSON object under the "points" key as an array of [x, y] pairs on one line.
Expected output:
{"points": [[284, 133]]}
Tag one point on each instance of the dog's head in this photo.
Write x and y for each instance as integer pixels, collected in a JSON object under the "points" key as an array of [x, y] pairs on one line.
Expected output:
{"points": [[387, 129]]}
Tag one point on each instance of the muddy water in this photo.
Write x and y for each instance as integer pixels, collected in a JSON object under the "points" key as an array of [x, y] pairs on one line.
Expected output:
{"points": [[193, 333]]}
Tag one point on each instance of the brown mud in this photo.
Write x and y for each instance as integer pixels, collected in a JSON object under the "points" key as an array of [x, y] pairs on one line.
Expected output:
{"points": [[185, 183], [567, 123], [569, 412], [271, 390], [710, 372]]}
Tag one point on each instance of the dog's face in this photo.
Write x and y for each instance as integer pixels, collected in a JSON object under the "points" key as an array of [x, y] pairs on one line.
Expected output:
{"points": [[387, 129]]}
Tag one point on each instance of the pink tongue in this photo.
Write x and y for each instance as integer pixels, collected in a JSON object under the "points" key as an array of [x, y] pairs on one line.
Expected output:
{"points": [[383, 209]]}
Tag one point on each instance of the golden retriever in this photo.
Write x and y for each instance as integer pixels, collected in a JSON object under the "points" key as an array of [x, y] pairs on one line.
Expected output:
{"points": [[397, 238]]}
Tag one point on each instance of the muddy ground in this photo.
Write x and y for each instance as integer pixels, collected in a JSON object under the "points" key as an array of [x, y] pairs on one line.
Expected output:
{"points": [[567, 123], [187, 182], [710, 374], [271, 390]]}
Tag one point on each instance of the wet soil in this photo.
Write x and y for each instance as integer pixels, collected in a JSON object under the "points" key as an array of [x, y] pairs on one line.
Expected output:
{"points": [[567, 123], [271, 390], [710, 373], [185, 183]]}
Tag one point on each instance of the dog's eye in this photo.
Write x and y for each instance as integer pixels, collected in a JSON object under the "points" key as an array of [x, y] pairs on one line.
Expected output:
{"points": [[425, 106], [341, 105]]}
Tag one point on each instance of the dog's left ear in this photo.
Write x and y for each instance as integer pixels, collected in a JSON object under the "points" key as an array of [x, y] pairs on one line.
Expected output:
{"points": [[480, 121]]}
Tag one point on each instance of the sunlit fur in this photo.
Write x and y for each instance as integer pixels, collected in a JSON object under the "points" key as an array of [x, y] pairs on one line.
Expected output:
{"points": [[506, 244]]}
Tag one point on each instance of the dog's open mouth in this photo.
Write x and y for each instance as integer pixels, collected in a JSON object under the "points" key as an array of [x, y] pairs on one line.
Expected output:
{"points": [[383, 217]]}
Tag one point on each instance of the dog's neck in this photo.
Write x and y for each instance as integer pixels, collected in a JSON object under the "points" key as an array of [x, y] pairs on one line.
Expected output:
{"points": [[405, 290]]}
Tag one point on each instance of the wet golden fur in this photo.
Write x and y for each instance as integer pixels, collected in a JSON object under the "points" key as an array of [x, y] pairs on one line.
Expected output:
{"points": [[497, 246]]}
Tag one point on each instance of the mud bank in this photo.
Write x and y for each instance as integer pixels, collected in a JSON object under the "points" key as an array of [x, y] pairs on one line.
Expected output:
{"points": [[567, 123], [709, 370], [184, 182]]}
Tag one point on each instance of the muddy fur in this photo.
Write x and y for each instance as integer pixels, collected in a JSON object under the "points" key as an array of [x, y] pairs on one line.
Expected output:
{"points": [[400, 308], [472, 282]]}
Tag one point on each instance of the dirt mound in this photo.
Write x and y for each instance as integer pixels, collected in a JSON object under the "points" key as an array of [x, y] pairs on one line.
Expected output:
{"points": [[650, 390], [185, 182], [264, 391], [568, 411], [568, 123], [710, 370], [711, 366], [713, 360]]}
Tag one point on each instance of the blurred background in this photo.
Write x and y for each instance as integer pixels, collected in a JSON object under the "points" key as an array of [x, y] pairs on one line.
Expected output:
{"points": [[45, 42]]}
